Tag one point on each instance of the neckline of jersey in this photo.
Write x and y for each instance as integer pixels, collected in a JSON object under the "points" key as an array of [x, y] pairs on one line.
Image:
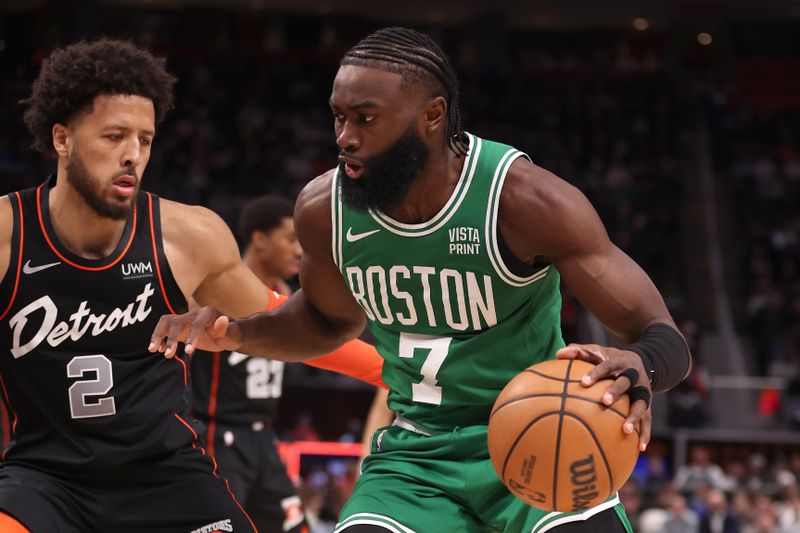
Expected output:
{"points": [[50, 235], [449, 208]]}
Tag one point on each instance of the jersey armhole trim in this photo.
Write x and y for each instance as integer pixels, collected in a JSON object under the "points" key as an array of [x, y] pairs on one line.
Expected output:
{"points": [[492, 210], [155, 253], [19, 259], [336, 220]]}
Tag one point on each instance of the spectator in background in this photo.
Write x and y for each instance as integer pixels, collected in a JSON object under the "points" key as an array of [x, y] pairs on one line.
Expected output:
{"points": [[680, 519], [788, 509], [701, 471], [718, 518], [630, 494]]}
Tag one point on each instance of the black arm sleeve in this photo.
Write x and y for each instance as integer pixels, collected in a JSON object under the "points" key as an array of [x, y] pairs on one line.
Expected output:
{"points": [[665, 355]]}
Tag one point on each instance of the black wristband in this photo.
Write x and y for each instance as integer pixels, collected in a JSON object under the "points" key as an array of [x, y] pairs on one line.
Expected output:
{"points": [[665, 356]]}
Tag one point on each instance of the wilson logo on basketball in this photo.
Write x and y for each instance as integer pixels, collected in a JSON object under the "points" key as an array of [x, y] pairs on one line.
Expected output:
{"points": [[583, 476]]}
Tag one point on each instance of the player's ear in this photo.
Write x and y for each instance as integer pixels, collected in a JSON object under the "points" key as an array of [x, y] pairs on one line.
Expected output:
{"points": [[435, 113], [61, 139], [258, 238]]}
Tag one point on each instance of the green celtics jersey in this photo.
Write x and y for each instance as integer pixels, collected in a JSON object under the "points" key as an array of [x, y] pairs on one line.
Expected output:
{"points": [[452, 322]]}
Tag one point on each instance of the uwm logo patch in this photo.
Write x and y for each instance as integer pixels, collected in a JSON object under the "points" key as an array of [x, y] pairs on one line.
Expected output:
{"points": [[136, 270]]}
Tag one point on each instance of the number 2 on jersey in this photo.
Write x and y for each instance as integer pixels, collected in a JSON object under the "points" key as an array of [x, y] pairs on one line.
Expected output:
{"points": [[427, 391], [78, 367]]}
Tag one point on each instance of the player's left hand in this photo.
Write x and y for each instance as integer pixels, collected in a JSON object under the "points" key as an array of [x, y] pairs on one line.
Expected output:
{"points": [[616, 363]]}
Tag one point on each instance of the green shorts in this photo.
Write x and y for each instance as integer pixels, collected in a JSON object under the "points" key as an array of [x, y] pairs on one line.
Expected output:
{"points": [[420, 483]]}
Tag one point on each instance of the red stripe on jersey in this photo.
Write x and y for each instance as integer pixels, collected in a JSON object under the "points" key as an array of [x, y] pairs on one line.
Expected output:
{"points": [[8, 403], [212, 403], [5, 424], [240, 506], [155, 253], [19, 260], [183, 363], [194, 443], [71, 263]]}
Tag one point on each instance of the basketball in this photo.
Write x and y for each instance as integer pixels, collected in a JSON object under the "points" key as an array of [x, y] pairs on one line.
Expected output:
{"points": [[553, 442]]}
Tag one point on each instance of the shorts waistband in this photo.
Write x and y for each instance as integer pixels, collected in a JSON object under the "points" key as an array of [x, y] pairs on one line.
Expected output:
{"points": [[405, 423]]}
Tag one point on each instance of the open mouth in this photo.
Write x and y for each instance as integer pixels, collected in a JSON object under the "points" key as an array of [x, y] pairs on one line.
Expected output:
{"points": [[352, 169], [124, 185]]}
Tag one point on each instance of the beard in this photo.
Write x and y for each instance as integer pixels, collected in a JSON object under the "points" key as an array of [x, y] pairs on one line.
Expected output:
{"points": [[388, 175], [86, 184]]}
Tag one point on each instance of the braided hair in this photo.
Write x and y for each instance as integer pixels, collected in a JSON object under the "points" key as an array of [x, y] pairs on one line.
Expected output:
{"points": [[421, 62]]}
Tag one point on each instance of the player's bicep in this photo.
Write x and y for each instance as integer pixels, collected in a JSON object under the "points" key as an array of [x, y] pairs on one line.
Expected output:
{"points": [[326, 290], [323, 285], [204, 258], [235, 291], [543, 216], [615, 289]]}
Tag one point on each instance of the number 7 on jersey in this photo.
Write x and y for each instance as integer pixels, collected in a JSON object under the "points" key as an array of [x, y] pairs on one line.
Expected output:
{"points": [[427, 391]]}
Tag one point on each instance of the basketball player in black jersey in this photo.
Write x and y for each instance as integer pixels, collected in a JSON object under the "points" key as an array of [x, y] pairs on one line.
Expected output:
{"points": [[102, 436], [237, 395]]}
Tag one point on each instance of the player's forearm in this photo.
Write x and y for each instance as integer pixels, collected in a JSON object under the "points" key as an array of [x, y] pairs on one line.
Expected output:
{"points": [[293, 332]]}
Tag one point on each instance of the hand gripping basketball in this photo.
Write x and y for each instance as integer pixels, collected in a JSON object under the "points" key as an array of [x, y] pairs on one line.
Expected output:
{"points": [[618, 364], [555, 443]]}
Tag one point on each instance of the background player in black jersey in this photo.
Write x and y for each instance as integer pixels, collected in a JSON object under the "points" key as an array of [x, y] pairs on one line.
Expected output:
{"points": [[237, 395], [102, 437]]}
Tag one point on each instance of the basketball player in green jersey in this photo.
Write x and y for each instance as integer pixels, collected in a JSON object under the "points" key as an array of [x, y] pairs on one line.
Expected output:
{"points": [[451, 247]]}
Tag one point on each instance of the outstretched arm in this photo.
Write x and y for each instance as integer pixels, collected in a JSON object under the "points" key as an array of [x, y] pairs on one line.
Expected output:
{"points": [[542, 216], [314, 321]]}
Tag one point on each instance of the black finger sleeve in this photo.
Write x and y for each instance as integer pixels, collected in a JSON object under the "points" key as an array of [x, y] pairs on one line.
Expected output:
{"points": [[632, 374], [639, 392]]}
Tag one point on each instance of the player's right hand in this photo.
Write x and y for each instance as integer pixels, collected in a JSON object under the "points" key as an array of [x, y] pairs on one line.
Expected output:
{"points": [[204, 328]]}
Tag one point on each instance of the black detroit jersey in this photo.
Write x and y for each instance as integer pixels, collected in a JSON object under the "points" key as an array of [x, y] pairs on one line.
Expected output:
{"points": [[233, 388], [81, 388]]}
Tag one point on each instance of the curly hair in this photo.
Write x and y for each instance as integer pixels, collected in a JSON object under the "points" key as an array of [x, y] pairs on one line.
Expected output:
{"points": [[71, 78]]}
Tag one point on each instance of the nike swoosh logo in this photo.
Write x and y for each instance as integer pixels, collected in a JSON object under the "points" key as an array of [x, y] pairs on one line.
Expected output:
{"points": [[353, 237], [28, 269], [235, 358]]}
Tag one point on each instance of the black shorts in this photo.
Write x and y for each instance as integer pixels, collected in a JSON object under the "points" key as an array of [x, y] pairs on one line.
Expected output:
{"points": [[176, 494], [249, 459]]}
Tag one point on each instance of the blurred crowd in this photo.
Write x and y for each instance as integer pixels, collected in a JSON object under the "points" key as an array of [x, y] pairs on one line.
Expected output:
{"points": [[715, 492], [764, 170]]}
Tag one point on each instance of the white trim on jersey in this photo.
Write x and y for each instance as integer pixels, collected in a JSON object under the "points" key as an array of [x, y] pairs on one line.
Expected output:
{"points": [[449, 209], [566, 519], [336, 219], [373, 519], [492, 230]]}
